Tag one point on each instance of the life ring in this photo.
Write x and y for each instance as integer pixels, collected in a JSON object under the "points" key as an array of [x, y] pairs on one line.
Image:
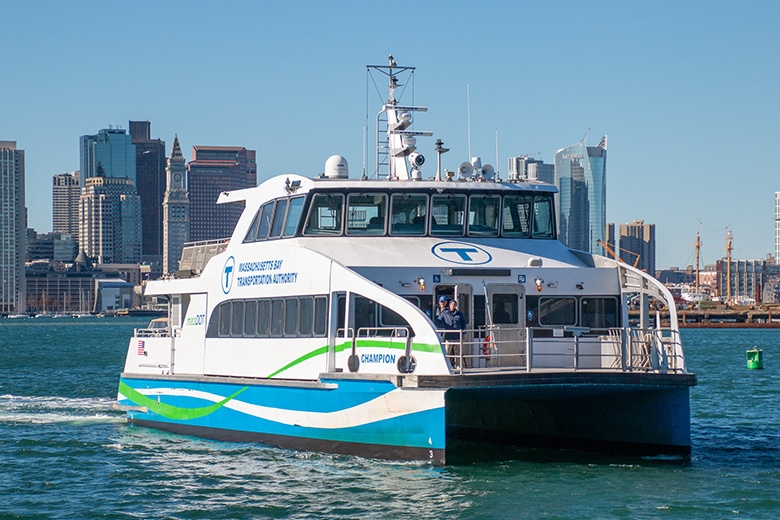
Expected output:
{"points": [[486, 348]]}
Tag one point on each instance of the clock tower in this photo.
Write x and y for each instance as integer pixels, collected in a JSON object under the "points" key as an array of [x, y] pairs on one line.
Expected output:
{"points": [[176, 210]]}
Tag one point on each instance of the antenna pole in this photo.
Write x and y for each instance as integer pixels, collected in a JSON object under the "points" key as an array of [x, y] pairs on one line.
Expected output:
{"points": [[468, 117], [497, 152]]}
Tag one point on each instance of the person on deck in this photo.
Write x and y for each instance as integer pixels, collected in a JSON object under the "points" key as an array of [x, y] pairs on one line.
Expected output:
{"points": [[454, 320]]}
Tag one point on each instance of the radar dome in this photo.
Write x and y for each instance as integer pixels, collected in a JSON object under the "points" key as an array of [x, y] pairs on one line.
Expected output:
{"points": [[336, 167]]}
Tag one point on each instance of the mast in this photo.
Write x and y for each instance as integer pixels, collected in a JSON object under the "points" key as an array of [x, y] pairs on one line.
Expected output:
{"points": [[400, 142], [698, 248], [728, 266]]}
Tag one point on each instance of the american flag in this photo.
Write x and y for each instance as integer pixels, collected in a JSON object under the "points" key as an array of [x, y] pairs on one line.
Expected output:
{"points": [[141, 350]]}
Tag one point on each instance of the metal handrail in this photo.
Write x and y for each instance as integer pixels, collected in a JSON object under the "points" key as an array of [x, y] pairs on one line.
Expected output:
{"points": [[612, 349]]}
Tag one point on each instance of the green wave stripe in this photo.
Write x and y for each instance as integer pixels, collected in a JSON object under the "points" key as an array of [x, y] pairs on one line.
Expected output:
{"points": [[172, 412], [361, 343]]}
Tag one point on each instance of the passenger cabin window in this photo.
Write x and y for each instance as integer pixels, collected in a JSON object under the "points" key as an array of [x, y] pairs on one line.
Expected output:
{"points": [[279, 214], [366, 213], [557, 311], [303, 316], [447, 215], [484, 215], [408, 214], [325, 214], [293, 216], [599, 313]]}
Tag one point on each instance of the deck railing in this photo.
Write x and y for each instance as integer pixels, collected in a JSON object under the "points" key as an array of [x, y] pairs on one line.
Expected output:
{"points": [[576, 348]]}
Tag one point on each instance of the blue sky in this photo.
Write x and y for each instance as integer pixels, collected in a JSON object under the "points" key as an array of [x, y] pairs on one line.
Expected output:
{"points": [[686, 91]]}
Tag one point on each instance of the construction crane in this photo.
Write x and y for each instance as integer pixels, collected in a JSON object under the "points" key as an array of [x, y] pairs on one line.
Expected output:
{"points": [[615, 255]]}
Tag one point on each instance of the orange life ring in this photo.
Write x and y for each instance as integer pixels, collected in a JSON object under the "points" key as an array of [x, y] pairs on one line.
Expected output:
{"points": [[486, 348]]}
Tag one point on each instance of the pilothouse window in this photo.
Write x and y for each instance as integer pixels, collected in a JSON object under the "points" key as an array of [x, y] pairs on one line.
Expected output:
{"points": [[325, 214], [447, 212], [517, 216], [366, 214], [408, 214], [484, 215]]}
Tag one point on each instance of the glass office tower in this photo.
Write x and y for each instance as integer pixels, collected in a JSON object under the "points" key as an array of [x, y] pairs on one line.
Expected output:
{"points": [[581, 178]]}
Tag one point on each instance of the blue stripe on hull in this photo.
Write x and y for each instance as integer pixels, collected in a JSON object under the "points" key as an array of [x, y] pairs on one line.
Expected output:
{"points": [[421, 430]]}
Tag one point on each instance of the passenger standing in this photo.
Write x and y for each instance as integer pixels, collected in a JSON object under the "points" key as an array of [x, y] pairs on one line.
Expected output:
{"points": [[440, 310], [455, 321]]}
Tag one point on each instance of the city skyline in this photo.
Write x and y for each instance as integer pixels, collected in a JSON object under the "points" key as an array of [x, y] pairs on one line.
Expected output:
{"points": [[660, 79]]}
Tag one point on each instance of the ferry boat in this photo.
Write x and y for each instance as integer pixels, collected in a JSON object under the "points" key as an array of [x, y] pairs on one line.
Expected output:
{"points": [[313, 326]]}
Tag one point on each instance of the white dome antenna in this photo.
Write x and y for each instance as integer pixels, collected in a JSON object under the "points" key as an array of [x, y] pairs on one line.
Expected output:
{"points": [[336, 167]]}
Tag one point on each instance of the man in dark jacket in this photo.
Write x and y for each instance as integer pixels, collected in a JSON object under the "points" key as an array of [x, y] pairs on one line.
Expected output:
{"points": [[454, 320]]}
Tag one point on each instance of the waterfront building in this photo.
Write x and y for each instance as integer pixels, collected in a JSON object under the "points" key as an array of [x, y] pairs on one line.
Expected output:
{"points": [[215, 169], [747, 278], [13, 226], [65, 194], [60, 247], [581, 178], [150, 185], [637, 245], [176, 210], [528, 168], [110, 220], [112, 150]]}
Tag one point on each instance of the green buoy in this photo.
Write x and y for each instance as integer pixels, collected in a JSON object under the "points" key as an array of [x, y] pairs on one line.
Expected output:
{"points": [[755, 358]]}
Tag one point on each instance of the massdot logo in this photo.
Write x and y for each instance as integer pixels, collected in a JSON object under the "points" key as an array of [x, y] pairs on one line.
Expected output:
{"points": [[227, 274], [460, 253]]}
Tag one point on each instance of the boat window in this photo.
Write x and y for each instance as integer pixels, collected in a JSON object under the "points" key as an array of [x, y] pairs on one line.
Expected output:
{"points": [[266, 212], [504, 308], [291, 317], [484, 211], [293, 216], [306, 321], [250, 318], [557, 311], [252, 233], [479, 311], [264, 318], [517, 216], [224, 319], [408, 214], [320, 316], [543, 217], [325, 214], [447, 215], [279, 214], [237, 323], [366, 213], [277, 318], [599, 313], [364, 312]]}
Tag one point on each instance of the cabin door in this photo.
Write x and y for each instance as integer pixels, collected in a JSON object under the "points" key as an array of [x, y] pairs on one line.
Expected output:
{"points": [[505, 318]]}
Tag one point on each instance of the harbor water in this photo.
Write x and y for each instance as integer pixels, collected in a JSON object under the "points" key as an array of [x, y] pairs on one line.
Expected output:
{"points": [[64, 454]]}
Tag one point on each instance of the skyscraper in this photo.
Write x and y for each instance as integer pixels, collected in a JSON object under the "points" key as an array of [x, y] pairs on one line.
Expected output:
{"points": [[109, 206], [111, 148], [150, 185], [637, 245], [581, 177], [215, 169], [65, 193], [110, 220], [13, 226], [176, 210]]}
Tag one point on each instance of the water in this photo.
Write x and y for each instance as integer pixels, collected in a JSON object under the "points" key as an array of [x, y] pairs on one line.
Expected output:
{"points": [[63, 454]]}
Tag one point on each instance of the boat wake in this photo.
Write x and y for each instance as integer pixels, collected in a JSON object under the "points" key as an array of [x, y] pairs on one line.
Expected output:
{"points": [[55, 409]]}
